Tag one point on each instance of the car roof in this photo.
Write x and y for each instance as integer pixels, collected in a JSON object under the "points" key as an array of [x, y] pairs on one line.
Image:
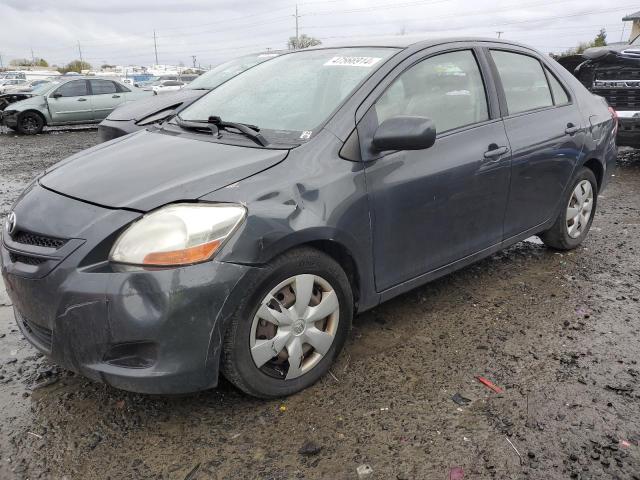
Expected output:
{"points": [[85, 77], [410, 41]]}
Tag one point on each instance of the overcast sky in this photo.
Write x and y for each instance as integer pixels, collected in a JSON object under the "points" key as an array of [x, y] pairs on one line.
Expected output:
{"points": [[121, 31]]}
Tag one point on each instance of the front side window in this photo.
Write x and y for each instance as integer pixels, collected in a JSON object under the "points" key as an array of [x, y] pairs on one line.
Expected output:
{"points": [[293, 94], [523, 80], [446, 88], [101, 87], [76, 88]]}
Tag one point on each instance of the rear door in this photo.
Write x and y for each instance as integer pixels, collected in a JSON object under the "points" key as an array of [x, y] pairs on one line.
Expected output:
{"points": [[546, 133], [69, 103], [105, 96], [433, 207]]}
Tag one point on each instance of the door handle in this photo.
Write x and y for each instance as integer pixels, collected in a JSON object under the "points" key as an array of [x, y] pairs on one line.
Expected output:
{"points": [[82, 99], [571, 129], [496, 151], [116, 96]]}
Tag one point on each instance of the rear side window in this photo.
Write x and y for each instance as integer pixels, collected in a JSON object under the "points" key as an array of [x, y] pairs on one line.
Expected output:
{"points": [[560, 96], [76, 88], [100, 87], [121, 88], [446, 88], [524, 82]]}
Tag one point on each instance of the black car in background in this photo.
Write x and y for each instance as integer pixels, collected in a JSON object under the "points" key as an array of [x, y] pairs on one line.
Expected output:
{"points": [[613, 72], [137, 115], [242, 235]]}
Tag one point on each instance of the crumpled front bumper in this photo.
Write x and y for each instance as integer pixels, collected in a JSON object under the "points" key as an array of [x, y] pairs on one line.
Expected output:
{"points": [[150, 331], [9, 118]]}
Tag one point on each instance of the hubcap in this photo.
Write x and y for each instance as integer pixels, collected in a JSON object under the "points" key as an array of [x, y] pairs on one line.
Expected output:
{"points": [[579, 209], [295, 326]]}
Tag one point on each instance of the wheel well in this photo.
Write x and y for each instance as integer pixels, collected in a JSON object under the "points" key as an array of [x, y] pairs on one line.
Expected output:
{"points": [[341, 255], [596, 167], [44, 120]]}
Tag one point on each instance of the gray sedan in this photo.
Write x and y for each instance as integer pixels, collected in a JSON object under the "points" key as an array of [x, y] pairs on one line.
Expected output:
{"points": [[70, 102]]}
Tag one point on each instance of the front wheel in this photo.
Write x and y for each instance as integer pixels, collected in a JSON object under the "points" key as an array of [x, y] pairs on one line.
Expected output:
{"points": [[286, 333], [30, 123], [574, 220]]}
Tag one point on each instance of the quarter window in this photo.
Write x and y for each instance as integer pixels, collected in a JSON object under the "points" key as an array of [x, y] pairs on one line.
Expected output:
{"points": [[101, 87], [447, 88], [523, 80], [76, 88], [559, 93]]}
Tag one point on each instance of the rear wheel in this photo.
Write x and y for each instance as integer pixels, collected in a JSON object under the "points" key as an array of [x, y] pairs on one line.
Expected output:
{"points": [[574, 221], [30, 123], [287, 332]]}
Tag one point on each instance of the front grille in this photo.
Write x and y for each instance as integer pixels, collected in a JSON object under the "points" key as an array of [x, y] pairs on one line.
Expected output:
{"points": [[26, 259], [619, 98], [618, 72], [28, 238], [40, 334]]}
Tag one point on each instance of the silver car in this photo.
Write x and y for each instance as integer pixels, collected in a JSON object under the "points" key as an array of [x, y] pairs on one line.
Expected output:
{"points": [[70, 102]]}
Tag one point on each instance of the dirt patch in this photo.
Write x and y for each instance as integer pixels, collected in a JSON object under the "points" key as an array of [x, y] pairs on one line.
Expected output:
{"points": [[558, 333]]}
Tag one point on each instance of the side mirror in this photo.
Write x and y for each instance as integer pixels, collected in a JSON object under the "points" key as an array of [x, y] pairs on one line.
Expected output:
{"points": [[56, 95], [405, 133]]}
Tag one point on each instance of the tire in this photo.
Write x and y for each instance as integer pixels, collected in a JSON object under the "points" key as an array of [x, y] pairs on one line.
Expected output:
{"points": [[250, 339], [561, 235], [30, 123]]}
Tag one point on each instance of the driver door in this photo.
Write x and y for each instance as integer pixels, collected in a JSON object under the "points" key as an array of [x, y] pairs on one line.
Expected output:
{"points": [[70, 103], [434, 207]]}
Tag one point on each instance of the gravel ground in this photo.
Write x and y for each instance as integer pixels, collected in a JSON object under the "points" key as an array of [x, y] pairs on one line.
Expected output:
{"points": [[558, 333]]}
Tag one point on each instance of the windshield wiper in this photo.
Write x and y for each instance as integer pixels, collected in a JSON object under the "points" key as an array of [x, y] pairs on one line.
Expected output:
{"points": [[251, 131], [197, 126]]}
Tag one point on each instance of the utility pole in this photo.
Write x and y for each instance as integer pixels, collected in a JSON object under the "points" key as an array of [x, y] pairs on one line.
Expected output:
{"points": [[80, 53], [499, 34], [33, 59], [193, 57], [155, 45], [297, 45], [1, 65]]}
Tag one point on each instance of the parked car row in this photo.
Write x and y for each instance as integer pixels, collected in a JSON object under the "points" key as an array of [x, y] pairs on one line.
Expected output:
{"points": [[243, 233], [68, 102]]}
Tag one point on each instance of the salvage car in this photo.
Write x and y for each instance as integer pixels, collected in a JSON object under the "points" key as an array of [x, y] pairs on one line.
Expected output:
{"points": [[613, 72], [243, 234], [71, 101], [9, 84], [25, 87], [141, 114]]}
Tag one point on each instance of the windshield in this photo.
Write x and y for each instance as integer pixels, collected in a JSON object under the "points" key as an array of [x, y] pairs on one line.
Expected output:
{"points": [[635, 41], [291, 94], [225, 71]]}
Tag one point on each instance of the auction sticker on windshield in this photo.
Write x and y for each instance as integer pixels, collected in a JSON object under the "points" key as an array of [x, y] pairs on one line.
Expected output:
{"points": [[367, 62]]}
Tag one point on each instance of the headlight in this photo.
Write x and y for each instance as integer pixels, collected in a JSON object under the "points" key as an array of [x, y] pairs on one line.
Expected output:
{"points": [[179, 234]]}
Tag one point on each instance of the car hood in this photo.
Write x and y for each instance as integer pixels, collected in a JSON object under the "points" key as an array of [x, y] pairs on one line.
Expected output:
{"points": [[149, 106], [30, 102], [149, 169]]}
